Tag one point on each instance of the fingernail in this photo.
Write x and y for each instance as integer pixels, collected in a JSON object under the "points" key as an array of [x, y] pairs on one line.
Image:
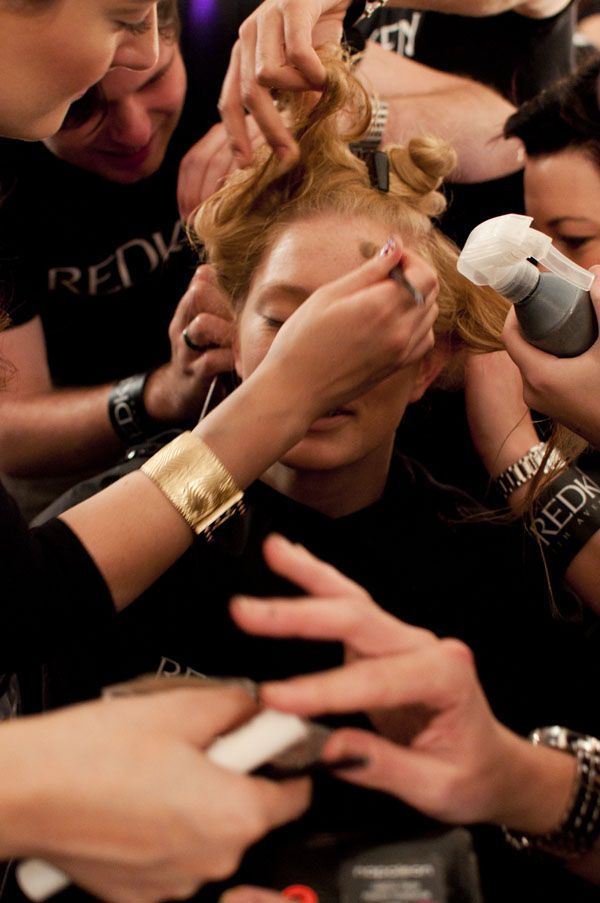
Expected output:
{"points": [[389, 247]]}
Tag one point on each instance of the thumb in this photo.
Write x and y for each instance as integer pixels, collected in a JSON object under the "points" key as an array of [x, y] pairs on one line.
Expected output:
{"points": [[197, 714]]}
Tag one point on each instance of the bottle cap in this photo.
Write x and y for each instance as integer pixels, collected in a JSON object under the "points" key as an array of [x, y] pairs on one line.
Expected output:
{"points": [[497, 248]]}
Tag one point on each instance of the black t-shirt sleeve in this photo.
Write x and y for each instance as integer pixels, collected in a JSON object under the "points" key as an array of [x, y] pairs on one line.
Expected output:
{"points": [[51, 589], [18, 234]]}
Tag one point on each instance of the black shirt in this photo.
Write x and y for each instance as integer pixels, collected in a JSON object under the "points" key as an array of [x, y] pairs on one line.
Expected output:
{"points": [[515, 54], [102, 263], [421, 558]]}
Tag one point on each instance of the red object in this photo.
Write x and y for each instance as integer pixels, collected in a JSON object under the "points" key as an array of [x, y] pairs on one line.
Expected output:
{"points": [[300, 892]]}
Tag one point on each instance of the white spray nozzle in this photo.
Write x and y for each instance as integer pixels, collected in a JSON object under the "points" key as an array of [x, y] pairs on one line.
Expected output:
{"points": [[496, 249]]}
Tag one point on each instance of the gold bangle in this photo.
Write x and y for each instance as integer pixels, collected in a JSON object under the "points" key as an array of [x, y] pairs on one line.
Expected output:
{"points": [[195, 482]]}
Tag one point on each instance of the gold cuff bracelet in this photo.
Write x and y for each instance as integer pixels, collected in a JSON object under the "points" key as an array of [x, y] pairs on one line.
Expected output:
{"points": [[195, 482]]}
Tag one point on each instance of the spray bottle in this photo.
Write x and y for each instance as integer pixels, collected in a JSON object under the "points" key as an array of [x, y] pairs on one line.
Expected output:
{"points": [[554, 310]]}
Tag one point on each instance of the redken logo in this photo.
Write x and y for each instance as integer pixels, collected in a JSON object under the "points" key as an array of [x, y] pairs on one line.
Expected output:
{"points": [[406, 871], [170, 668], [570, 507]]}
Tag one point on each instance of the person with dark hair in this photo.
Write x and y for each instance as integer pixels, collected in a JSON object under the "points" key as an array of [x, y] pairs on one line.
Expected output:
{"points": [[91, 337], [560, 131]]}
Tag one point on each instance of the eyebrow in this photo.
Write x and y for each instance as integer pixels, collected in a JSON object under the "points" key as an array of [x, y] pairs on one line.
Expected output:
{"points": [[273, 291], [572, 219]]}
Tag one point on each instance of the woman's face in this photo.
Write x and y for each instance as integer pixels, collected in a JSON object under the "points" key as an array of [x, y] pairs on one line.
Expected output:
{"points": [[308, 254], [562, 194], [52, 51]]}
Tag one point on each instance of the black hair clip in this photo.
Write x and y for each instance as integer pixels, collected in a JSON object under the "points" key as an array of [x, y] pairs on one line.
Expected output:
{"points": [[378, 165]]}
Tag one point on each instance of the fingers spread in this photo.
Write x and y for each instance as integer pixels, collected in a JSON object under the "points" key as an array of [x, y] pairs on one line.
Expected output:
{"points": [[297, 564]]}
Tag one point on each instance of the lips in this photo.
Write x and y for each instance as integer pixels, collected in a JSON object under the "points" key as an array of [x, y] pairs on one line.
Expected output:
{"points": [[331, 420]]}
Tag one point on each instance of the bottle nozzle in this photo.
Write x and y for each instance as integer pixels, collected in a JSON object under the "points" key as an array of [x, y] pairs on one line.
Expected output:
{"points": [[497, 249]]}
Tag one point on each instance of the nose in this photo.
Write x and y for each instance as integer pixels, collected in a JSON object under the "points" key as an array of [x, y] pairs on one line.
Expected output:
{"points": [[128, 123], [139, 51]]}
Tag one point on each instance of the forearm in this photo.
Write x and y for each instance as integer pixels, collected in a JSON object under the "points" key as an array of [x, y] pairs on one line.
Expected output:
{"points": [[58, 431], [536, 793], [467, 114], [536, 9], [248, 431]]}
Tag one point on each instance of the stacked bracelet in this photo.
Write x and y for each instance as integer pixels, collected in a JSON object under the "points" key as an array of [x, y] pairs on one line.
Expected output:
{"points": [[523, 470], [195, 482], [567, 514], [127, 411], [580, 826]]}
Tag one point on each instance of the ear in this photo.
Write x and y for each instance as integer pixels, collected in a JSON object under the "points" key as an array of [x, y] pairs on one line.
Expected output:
{"points": [[428, 369]]}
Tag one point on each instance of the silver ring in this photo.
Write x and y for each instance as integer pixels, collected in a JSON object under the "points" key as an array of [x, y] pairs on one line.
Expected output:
{"points": [[199, 349]]}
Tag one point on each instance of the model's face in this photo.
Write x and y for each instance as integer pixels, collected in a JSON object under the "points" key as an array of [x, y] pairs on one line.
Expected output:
{"points": [[308, 254], [129, 142], [562, 194], [52, 51]]}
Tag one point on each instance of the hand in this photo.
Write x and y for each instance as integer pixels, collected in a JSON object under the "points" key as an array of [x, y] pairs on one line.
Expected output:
{"points": [[353, 332], [462, 765], [564, 388], [207, 164], [119, 796], [276, 50], [499, 420], [176, 391]]}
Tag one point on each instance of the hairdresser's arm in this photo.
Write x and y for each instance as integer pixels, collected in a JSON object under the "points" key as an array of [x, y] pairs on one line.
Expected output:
{"points": [[469, 115], [46, 431], [502, 431], [566, 389], [276, 49], [347, 336], [459, 764], [119, 795]]}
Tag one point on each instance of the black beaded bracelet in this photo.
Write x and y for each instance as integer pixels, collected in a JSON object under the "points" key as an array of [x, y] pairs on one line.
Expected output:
{"points": [[566, 516], [127, 412]]}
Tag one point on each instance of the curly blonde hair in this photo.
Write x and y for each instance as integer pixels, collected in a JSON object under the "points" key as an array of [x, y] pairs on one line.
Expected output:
{"points": [[242, 221]]}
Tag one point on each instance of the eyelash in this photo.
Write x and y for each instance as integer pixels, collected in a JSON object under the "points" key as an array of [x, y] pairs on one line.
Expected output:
{"points": [[573, 242], [272, 323], [135, 28]]}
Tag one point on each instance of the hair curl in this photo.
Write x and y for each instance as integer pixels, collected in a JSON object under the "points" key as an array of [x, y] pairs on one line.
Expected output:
{"points": [[238, 224]]}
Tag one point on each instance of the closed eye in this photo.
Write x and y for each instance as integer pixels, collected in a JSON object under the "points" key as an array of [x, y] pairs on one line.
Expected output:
{"points": [[272, 323], [136, 28], [573, 242]]}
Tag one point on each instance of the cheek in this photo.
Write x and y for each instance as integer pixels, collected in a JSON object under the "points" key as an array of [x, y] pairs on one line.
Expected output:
{"points": [[251, 344], [588, 256]]}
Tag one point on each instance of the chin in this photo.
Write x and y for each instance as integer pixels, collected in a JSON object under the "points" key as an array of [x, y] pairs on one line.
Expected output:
{"points": [[309, 458]]}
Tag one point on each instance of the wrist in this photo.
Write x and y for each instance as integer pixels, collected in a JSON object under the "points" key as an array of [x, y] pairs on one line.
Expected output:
{"points": [[537, 787], [158, 396], [256, 424], [127, 410]]}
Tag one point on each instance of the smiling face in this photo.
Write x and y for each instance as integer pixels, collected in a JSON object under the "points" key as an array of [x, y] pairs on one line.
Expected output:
{"points": [[562, 193], [54, 50], [129, 141], [308, 254]]}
